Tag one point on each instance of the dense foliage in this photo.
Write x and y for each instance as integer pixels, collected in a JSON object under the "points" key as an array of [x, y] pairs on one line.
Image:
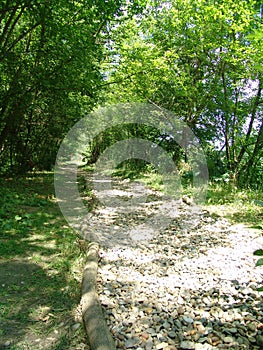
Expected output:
{"points": [[50, 55], [202, 60]]}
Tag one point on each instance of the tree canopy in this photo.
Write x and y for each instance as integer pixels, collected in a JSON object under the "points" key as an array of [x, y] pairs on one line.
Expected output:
{"points": [[50, 56], [201, 59]]}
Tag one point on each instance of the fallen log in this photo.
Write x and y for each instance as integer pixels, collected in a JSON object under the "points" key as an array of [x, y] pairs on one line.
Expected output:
{"points": [[97, 330]]}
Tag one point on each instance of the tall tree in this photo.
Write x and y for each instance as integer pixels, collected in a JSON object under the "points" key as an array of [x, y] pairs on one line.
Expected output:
{"points": [[198, 59], [50, 54]]}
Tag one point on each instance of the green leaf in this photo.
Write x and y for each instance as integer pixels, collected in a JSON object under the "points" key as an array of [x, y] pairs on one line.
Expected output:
{"points": [[258, 252], [258, 202], [260, 289], [18, 218], [259, 262], [259, 67]]}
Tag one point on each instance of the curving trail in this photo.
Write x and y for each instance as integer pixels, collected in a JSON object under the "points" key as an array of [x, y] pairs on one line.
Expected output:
{"points": [[190, 285]]}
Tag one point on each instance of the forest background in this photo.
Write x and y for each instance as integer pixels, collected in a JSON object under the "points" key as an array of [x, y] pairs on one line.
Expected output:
{"points": [[201, 60]]}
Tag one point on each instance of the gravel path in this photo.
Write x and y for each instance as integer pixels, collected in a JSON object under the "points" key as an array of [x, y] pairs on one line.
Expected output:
{"points": [[192, 285]]}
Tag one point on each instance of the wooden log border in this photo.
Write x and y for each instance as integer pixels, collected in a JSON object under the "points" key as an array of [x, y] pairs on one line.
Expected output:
{"points": [[96, 328]]}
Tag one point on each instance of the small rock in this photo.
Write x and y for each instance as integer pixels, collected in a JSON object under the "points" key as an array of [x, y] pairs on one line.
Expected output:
{"points": [[156, 318], [171, 334], [199, 346], [240, 340], [188, 345], [131, 343], [232, 330], [252, 327], [215, 341], [166, 325], [251, 339], [76, 326], [177, 324], [148, 310], [188, 320], [161, 338], [187, 200], [200, 328], [259, 340], [145, 335], [180, 310], [207, 301], [180, 301], [161, 345], [151, 330], [228, 339], [149, 345], [202, 340], [145, 321]]}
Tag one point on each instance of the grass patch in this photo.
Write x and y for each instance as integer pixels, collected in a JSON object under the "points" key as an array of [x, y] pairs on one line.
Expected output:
{"points": [[223, 199], [41, 264], [155, 180], [239, 206]]}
